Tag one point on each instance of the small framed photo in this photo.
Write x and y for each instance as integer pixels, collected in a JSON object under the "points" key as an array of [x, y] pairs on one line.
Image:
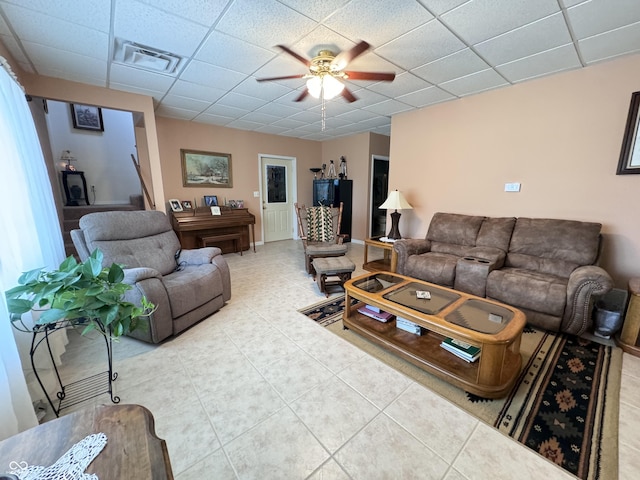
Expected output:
{"points": [[211, 200], [239, 203], [233, 204], [175, 205], [186, 205], [87, 117], [215, 211]]}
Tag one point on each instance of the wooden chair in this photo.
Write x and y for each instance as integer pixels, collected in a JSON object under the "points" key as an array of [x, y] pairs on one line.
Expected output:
{"points": [[319, 230]]}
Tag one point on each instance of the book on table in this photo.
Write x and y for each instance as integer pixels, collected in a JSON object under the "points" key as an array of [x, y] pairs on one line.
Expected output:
{"points": [[462, 349], [408, 326], [375, 313]]}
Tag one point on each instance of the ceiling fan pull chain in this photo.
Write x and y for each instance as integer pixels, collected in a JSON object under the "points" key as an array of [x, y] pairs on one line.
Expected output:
{"points": [[322, 108]]}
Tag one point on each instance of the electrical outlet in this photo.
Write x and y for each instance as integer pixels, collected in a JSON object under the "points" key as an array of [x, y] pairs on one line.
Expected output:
{"points": [[256, 194], [511, 187]]}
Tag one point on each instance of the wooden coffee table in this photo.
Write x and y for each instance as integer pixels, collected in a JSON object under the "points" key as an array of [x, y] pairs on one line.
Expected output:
{"points": [[494, 327]]}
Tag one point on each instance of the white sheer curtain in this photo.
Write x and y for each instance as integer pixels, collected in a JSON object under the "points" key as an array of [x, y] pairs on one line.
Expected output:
{"points": [[31, 239]]}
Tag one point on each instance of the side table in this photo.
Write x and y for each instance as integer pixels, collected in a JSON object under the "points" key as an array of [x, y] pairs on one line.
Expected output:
{"points": [[133, 450], [629, 339], [389, 261], [65, 183]]}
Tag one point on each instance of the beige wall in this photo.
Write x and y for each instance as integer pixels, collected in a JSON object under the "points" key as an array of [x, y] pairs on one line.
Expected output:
{"points": [[357, 149], [244, 147], [559, 136]]}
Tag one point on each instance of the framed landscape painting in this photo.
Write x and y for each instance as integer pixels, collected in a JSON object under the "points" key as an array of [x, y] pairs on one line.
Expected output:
{"points": [[206, 169]]}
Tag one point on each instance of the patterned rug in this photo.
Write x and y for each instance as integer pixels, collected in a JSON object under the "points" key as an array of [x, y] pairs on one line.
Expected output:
{"points": [[564, 404]]}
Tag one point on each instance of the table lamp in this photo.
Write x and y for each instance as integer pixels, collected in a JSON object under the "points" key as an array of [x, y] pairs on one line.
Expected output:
{"points": [[395, 201], [68, 157]]}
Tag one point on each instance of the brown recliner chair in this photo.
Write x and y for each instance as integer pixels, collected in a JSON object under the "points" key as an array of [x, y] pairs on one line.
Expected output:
{"points": [[185, 285]]}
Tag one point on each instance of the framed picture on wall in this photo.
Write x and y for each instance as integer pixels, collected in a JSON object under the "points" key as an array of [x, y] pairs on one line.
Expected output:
{"points": [[206, 169], [87, 117]]}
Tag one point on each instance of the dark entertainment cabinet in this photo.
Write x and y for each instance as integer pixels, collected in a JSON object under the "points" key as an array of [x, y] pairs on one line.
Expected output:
{"points": [[332, 192]]}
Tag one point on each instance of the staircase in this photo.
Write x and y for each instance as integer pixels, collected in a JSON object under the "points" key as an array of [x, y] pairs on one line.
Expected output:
{"points": [[71, 217]]}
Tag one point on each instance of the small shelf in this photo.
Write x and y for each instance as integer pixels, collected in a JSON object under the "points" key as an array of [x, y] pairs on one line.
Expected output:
{"points": [[86, 389]]}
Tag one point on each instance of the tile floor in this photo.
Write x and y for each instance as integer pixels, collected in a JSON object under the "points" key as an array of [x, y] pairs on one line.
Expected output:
{"points": [[258, 391]]}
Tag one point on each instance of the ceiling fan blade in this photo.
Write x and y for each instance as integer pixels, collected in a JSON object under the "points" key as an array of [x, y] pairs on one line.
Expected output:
{"points": [[349, 97], [287, 77], [302, 96], [300, 58], [383, 76], [344, 58]]}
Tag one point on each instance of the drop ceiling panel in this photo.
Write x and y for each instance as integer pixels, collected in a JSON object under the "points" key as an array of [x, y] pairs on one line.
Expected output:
{"points": [[544, 63], [479, 20], [185, 103], [423, 45], [69, 65], [266, 90], [139, 78], [475, 83], [598, 16], [282, 111], [316, 10], [226, 111], [611, 44], [229, 52], [94, 14], [388, 107], [264, 23], [438, 7], [44, 29], [378, 21], [144, 24], [536, 37], [403, 84], [458, 64], [205, 12], [196, 91], [427, 96], [173, 112], [211, 76], [238, 100], [357, 115], [213, 119]]}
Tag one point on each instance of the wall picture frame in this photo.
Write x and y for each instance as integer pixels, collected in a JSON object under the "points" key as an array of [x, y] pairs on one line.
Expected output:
{"points": [[87, 117], [629, 162], [206, 169]]}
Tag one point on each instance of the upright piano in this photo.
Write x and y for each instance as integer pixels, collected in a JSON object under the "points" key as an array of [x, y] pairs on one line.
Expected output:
{"points": [[193, 225]]}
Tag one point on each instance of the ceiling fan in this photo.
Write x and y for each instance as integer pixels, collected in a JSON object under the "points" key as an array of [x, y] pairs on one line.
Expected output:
{"points": [[327, 73]]}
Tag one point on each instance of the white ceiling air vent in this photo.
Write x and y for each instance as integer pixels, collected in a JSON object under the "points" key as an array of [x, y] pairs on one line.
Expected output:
{"points": [[146, 58]]}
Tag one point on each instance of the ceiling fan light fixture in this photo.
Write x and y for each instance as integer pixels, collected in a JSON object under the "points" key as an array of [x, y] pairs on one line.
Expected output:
{"points": [[331, 86]]}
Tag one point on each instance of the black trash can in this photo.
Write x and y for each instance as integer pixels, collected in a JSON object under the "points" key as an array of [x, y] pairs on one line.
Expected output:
{"points": [[608, 313]]}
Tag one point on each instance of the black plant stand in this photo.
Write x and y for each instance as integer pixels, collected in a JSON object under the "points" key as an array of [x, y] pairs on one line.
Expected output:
{"points": [[81, 390]]}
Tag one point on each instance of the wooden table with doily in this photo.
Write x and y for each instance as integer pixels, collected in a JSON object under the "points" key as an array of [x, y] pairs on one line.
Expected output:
{"points": [[132, 451]]}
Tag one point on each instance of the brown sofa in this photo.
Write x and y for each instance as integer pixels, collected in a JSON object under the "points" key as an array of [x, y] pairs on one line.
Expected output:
{"points": [[545, 267]]}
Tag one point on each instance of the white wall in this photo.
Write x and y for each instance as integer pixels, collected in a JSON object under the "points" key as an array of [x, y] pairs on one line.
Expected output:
{"points": [[104, 157]]}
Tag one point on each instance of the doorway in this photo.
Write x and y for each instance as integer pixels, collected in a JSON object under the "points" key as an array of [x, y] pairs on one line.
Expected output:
{"points": [[277, 191], [379, 191]]}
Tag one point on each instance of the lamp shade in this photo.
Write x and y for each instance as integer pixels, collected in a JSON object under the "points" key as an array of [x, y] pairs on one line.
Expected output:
{"points": [[396, 201], [327, 83]]}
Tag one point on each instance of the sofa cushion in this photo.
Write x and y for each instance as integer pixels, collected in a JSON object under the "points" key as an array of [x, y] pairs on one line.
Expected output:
{"points": [[432, 267], [556, 247], [536, 291], [496, 232], [454, 228], [192, 287]]}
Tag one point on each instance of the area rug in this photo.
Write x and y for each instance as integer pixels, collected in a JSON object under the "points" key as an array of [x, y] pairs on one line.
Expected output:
{"points": [[564, 405]]}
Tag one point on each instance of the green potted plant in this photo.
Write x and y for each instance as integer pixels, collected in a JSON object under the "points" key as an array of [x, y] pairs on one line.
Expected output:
{"points": [[81, 294]]}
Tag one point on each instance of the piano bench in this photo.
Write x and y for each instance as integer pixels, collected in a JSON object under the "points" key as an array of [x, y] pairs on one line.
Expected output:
{"points": [[211, 240]]}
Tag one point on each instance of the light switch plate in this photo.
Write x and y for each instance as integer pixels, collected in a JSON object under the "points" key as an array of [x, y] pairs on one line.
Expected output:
{"points": [[511, 187], [256, 194]]}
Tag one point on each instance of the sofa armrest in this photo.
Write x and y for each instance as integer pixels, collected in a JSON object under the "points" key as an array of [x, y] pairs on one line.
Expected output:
{"points": [[135, 275], [407, 247], [199, 256], [584, 282], [496, 256]]}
